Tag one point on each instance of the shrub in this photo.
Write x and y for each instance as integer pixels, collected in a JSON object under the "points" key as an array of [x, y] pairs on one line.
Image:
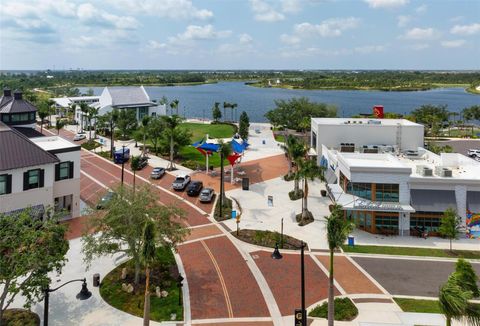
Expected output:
{"points": [[289, 177], [345, 310], [191, 165], [295, 195], [20, 317], [90, 145]]}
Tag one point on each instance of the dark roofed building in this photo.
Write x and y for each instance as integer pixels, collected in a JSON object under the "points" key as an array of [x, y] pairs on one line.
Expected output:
{"points": [[17, 151], [16, 111]]}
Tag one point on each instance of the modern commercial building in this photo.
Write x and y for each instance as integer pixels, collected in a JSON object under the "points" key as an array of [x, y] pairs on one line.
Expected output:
{"points": [[64, 104], [378, 170], [133, 98]]}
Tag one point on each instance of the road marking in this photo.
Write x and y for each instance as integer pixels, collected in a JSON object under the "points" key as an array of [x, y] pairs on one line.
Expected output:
{"points": [[222, 281], [208, 237]]}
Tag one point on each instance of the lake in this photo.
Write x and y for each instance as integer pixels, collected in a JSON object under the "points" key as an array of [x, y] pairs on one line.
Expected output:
{"points": [[197, 101]]}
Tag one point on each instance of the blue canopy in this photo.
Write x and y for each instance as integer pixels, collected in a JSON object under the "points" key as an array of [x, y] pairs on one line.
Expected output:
{"points": [[237, 148], [209, 147], [198, 143]]}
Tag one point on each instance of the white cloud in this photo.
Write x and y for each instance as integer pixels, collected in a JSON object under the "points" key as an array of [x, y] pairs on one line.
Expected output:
{"points": [[152, 44], [328, 28], [172, 9], [369, 49], [403, 20], [194, 32], [466, 29], [421, 9], [245, 38], [290, 39], [314, 51], [421, 34], [420, 46], [388, 4], [91, 15], [453, 43], [291, 6], [264, 12]]}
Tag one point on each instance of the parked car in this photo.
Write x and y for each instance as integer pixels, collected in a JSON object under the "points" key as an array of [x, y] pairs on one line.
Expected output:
{"points": [[206, 195], [474, 153], [194, 188], [143, 162], [121, 155], [79, 136], [103, 202], [180, 182], [157, 173]]}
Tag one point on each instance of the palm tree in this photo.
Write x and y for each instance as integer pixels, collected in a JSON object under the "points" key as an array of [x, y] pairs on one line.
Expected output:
{"points": [[233, 106], [454, 302], [171, 123], [50, 104], [148, 256], [225, 105], [174, 106], [338, 229], [299, 153], [308, 170], [42, 114], [111, 119], [71, 111], [84, 109], [145, 122], [59, 125], [225, 150], [289, 147], [92, 113], [135, 166]]}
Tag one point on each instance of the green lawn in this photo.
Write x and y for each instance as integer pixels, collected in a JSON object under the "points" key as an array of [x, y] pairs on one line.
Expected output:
{"points": [[418, 305], [161, 309], [199, 130], [404, 251], [280, 138], [345, 310]]}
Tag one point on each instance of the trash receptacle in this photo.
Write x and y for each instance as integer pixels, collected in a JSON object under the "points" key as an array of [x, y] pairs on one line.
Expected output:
{"points": [[96, 280], [351, 241], [263, 142]]}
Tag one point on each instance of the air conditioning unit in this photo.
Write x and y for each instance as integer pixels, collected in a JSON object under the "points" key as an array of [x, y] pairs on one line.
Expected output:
{"points": [[447, 173], [427, 172]]}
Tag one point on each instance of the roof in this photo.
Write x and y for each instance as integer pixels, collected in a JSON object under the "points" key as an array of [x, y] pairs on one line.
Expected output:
{"points": [[55, 144], [17, 151], [5, 99], [18, 106], [373, 161], [28, 132], [127, 96], [361, 121]]}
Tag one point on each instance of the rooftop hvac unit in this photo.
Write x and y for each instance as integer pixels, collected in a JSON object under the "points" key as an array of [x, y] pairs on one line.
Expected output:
{"points": [[427, 172], [447, 173]]}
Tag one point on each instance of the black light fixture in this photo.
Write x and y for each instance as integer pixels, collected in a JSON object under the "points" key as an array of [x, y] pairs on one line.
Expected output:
{"points": [[276, 253], [84, 294]]}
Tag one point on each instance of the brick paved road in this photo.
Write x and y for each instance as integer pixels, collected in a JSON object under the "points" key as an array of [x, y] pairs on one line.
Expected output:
{"points": [[283, 278], [409, 277]]}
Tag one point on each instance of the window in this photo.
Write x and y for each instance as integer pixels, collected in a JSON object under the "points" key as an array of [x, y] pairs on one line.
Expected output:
{"points": [[385, 222], [387, 192], [63, 170], [314, 139], [142, 111], [6, 118], [5, 184], [363, 190], [33, 179]]}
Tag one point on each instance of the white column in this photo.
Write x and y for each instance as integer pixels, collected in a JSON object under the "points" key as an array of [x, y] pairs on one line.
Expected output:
{"points": [[404, 193], [404, 223], [461, 198]]}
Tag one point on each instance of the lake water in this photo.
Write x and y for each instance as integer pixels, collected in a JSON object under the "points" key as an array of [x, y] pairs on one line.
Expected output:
{"points": [[197, 101]]}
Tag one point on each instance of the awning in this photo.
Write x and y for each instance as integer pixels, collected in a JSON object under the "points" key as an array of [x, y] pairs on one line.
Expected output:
{"points": [[432, 200], [351, 202]]}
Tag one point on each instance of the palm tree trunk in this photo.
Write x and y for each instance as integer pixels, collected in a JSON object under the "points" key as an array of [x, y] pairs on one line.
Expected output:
{"points": [[111, 141], [41, 126], [171, 151], [305, 195], [222, 190], [136, 279], [331, 302], [89, 129], [134, 178], [449, 320], [143, 150], [146, 305]]}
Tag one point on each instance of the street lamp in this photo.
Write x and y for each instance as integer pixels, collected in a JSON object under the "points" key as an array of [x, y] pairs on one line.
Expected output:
{"points": [[84, 294], [277, 255], [123, 161]]}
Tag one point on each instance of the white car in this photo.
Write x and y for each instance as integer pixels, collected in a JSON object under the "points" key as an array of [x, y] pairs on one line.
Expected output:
{"points": [[474, 153], [181, 182], [79, 136]]}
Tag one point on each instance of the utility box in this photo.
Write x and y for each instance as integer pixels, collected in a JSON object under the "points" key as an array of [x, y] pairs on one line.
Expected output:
{"points": [[96, 280], [245, 183]]}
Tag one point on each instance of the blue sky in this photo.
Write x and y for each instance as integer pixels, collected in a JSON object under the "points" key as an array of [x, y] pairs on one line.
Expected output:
{"points": [[240, 34]]}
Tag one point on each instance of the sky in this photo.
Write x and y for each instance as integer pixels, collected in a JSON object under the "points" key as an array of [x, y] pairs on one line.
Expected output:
{"points": [[240, 34]]}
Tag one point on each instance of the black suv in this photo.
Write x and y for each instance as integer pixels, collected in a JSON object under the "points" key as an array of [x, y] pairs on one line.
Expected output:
{"points": [[143, 162], [194, 188]]}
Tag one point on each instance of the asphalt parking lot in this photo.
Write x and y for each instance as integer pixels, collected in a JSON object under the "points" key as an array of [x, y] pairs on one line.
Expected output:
{"points": [[409, 277], [462, 145]]}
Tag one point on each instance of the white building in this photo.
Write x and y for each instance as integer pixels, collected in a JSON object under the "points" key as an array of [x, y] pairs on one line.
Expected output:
{"points": [[387, 182], [133, 98], [64, 104], [41, 173]]}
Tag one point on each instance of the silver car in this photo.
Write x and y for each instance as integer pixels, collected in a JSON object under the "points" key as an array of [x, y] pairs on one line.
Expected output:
{"points": [[157, 173], [181, 182], [79, 136], [206, 195]]}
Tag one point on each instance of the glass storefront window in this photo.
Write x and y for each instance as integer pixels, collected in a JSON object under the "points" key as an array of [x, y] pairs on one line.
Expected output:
{"points": [[386, 223], [387, 192]]}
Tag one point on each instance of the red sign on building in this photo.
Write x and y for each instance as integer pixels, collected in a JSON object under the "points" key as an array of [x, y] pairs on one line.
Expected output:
{"points": [[378, 111]]}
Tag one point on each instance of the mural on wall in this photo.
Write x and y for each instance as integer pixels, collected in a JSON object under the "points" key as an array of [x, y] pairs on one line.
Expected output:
{"points": [[473, 225]]}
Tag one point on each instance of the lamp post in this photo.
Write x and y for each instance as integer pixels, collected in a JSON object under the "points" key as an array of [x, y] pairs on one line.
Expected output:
{"points": [[180, 285], [277, 255], [123, 161], [84, 294]]}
